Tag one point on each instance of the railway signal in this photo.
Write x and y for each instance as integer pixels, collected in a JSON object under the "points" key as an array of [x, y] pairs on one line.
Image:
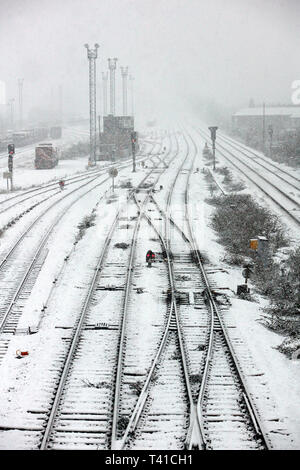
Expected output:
{"points": [[11, 152], [247, 272], [150, 257], [11, 149], [113, 172], [133, 143], [213, 131]]}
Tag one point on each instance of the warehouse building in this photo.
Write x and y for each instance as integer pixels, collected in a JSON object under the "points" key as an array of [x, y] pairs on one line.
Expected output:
{"points": [[253, 120]]}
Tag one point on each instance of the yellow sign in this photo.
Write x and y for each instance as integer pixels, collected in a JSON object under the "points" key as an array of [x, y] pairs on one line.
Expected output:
{"points": [[253, 243]]}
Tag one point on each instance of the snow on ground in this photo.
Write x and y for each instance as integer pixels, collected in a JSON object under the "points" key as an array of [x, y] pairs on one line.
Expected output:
{"points": [[24, 381], [279, 389], [292, 229], [21, 379], [26, 175]]}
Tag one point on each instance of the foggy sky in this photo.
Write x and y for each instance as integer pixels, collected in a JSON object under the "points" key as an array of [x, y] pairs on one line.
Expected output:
{"points": [[179, 51]]}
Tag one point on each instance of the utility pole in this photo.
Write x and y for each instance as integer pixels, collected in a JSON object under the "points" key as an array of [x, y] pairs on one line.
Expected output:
{"points": [[20, 83], [124, 72], [131, 78], [112, 64], [104, 83], [92, 56], [213, 131]]}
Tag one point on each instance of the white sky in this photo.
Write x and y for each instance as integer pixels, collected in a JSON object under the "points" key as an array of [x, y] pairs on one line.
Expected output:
{"points": [[178, 51]]}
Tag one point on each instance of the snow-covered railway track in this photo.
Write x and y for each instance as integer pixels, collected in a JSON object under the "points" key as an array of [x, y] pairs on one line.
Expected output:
{"points": [[225, 407], [33, 196], [71, 423], [21, 265], [192, 316], [273, 190], [263, 162], [165, 408], [80, 414]]}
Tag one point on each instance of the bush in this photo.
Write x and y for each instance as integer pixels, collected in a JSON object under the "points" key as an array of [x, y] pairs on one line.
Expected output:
{"points": [[87, 222], [285, 291], [238, 218]]}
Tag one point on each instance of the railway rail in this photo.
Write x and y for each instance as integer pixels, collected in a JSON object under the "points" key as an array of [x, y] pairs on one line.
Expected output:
{"points": [[24, 270], [52, 186], [249, 434], [193, 355], [282, 199], [261, 160], [54, 435]]}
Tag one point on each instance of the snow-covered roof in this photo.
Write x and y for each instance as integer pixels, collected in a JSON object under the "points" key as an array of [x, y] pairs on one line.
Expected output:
{"points": [[291, 111]]}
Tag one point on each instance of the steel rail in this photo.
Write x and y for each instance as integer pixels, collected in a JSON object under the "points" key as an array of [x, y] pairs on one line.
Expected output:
{"points": [[11, 251], [115, 442], [76, 336], [257, 423], [40, 246], [194, 437], [70, 356], [258, 174], [37, 252], [41, 189], [295, 219], [239, 145]]}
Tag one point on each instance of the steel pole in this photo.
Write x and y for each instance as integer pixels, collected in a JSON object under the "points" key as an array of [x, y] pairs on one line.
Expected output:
{"points": [[124, 71], [112, 67], [92, 56]]}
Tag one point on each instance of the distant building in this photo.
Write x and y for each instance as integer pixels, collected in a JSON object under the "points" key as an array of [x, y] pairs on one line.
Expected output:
{"points": [[281, 118], [115, 140]]}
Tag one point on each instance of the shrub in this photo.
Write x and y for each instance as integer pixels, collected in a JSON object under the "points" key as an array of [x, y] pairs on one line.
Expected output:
{"points": [[238, 218]]}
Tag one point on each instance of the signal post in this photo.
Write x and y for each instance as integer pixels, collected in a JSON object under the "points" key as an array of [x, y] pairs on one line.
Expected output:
{"points": [[9, 174], [213, 131], [133, 142]]}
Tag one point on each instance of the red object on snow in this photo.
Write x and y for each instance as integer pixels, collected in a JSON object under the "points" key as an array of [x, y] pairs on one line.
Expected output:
{"points": [[20, 353], [150, 254]]}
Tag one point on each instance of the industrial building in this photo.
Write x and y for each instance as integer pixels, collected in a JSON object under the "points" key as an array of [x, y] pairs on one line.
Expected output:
{"points": [[256, 120], [115, 140]]}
